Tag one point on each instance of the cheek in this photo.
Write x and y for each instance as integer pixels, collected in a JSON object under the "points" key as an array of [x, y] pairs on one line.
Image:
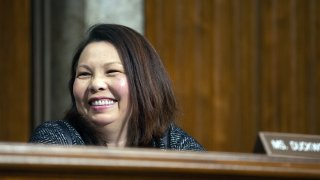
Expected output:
{"points": [[122, 86], [78, 91]]}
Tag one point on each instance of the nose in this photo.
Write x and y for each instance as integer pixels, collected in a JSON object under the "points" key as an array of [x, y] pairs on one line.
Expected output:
{"points": [[98, 84]]}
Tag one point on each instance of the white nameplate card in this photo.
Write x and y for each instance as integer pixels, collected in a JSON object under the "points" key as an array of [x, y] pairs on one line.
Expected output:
{"points": [[289, 144]]}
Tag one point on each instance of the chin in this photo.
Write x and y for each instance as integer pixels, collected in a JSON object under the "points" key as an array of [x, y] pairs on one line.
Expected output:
{"points": [[101, 122]]}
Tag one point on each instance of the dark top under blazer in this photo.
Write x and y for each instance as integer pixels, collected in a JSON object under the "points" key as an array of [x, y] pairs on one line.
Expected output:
{"points": [[63, 133]]}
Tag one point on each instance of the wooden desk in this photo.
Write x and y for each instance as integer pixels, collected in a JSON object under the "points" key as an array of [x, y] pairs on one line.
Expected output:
{"points": [[26, 161]]}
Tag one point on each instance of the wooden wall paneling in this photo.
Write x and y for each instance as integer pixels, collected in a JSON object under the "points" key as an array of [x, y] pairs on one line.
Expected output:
{"points": [[293, 111], [211, 70], [269, 102], [185, 76], [204, 68], [240, 67], [14, 70], [232, 98], [311, 67], [291, 35], [245, 43], [284, 58], [285, 61], [221, 72], [187, 63], [301, 29], [313, 73], [314, 68]]}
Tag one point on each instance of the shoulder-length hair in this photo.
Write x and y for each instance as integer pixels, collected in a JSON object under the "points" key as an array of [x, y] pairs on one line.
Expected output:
{"points": [[153, 106]]}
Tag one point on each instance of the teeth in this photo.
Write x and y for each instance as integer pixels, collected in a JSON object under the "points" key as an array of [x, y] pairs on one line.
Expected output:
{"points": [[102, 102]]}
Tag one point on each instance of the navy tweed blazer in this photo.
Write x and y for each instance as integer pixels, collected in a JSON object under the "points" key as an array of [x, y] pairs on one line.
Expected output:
{"points": [[61, 132]]}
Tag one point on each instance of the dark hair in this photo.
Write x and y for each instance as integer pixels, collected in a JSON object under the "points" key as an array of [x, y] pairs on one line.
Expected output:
{"points": [[153, 106]]}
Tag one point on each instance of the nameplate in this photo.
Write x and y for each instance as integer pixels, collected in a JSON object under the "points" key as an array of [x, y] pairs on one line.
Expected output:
{"points": [[288, 144]]}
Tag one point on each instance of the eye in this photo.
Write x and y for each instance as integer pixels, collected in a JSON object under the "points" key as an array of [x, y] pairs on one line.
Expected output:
{"points": [[83, 75], [112, 72]]}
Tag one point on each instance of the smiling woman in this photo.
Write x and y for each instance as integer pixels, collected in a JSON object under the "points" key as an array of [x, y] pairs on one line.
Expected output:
{"points": [[121, 96], [101, 91]]}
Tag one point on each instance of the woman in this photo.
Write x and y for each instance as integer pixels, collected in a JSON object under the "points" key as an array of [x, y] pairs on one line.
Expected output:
{"points": [[121, 96]]}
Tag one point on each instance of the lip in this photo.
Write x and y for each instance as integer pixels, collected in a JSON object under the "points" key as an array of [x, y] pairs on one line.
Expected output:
{"points": [[100, 98], [101, 108]]}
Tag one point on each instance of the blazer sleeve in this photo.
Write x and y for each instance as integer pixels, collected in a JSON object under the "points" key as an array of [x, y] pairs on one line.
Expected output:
{"points": [[49, 132], [180, 140]]}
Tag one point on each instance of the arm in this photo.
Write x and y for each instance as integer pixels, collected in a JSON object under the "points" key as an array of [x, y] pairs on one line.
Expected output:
{"points": [[180, 140], [52, 132]]}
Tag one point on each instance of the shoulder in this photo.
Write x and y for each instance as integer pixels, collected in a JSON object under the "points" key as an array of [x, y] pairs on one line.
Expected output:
{"points": [[56, 132], [178, 139]]}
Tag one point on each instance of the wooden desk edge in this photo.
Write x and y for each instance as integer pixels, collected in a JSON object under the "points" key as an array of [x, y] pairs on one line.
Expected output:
{"points": [[29, 157]]}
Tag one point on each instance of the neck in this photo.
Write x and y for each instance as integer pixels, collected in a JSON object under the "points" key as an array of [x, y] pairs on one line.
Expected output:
{"points": [[116, 136], [117, 144]]}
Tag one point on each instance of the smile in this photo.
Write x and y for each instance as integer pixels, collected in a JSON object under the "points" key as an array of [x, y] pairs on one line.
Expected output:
{"points": [[102, 102]]}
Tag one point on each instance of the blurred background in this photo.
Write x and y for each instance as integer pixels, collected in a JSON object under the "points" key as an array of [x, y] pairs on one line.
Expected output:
{"points": [[238, 66]]}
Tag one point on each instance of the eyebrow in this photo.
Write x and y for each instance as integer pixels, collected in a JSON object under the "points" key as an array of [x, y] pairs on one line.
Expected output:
{"points": [[110, 63], [106, 64]]}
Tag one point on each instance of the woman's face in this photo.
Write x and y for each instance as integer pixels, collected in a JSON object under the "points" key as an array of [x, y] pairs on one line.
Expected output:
{"points": [[100, 88]]}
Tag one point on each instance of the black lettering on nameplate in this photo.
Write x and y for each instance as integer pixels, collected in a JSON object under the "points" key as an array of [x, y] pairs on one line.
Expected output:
{"points": [[289, 144]]}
